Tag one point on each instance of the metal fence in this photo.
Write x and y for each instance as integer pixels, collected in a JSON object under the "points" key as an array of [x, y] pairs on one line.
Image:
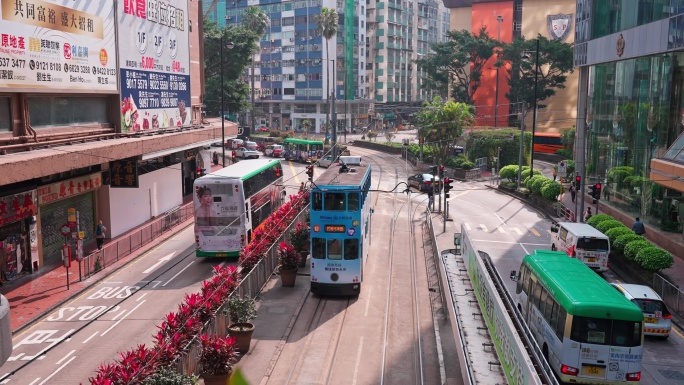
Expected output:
{"points": [[126, 245], [671, 294], [250, 285], [437, 257], [481, 163]]}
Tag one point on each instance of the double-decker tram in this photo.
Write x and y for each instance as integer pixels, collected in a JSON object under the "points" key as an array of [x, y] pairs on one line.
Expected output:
{"points": [[340, 229], [588, 332], [233, 201], [302, 150]]}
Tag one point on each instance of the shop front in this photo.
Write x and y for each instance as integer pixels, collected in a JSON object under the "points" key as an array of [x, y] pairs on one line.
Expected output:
{"points": [[18, 243], [54, 200]]}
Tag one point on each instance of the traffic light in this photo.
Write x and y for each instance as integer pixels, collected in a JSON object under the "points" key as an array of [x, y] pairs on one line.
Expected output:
{"points": [[578, 183], [441, 171], [592, 193], [233, 157], [447, 186], [597, 191], [310, 171], [200, 172]]}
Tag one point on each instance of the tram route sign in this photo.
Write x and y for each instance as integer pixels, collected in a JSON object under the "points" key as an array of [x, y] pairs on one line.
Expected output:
{"points": [[65, 229]]}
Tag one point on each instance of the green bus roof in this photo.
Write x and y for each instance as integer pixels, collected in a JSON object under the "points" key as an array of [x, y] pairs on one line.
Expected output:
{"points": [[302, 141], [244, 169], [579, 289]]}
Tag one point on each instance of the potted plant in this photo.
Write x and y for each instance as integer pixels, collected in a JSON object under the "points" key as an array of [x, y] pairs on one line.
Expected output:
{"points": [[287, 257], [217, 356], [300, 241], [241, 310], [166, 376]]}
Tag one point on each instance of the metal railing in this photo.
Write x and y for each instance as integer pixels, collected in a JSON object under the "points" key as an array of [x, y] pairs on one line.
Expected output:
{"points": [[126, 245], [671, 294], [437, 259], [250, 285]]}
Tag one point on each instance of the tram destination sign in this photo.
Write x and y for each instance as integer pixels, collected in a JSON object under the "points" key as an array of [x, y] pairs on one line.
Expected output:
{"points": [[334, 228]]}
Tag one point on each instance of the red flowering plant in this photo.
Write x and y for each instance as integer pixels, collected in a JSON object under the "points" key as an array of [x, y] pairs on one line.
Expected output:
{"points": [[287, 256], [218, 354], [300, 236], [132, 366]]}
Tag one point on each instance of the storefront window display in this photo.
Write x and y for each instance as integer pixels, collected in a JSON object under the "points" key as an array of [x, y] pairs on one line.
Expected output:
{"points": [[633, 115]]}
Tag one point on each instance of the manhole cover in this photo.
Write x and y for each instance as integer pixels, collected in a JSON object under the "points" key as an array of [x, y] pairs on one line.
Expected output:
{"points": [[671, 374]]}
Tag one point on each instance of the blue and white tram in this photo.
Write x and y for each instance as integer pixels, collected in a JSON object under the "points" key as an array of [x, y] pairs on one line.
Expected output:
{"points": [[340, 229]]}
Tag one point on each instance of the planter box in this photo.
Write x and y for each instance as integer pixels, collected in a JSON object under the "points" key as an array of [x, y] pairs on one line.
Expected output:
{"points": [[462, 174]]}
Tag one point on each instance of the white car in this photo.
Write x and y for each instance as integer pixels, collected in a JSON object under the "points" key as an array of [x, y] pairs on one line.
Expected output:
{"points": [[246, 153], [657, 319], [326, 161]]}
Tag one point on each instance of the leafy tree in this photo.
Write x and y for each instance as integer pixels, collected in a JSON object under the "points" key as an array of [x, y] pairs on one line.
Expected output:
{"points": [[235, 61], [326, 25], [255, 20], [462, 57], [555, 63], [442, 123]]}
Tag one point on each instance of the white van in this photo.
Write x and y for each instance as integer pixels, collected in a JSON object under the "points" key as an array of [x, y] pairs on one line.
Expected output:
{"points": [[350, 160], [581, 241]]}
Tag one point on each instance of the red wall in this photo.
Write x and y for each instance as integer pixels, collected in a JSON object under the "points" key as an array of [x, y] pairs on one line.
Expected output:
{"points": [[484, 15]]}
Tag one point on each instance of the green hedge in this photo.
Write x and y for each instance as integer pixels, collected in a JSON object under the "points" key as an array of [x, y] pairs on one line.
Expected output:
{"points": [[607, 225], [654, 259], [526, 173], [459, 162], [551, 190], [622, 241], [484, 144], [633, 248], [509, 172], [614, 233], [598, 218]]}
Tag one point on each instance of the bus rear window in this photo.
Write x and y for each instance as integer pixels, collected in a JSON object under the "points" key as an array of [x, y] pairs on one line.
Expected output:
{"points": [[601, 331], [592, 244]]}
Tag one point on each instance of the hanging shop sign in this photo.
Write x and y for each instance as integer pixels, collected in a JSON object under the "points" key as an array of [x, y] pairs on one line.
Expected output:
{"points": [[17, 207], [155, 71], [48, 46], [124, 173], [68, 188]]}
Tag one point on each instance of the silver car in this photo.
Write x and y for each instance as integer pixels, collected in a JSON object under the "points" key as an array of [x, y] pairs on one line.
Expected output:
{"points": [[326, 161], [246, 153], [657, 319]]}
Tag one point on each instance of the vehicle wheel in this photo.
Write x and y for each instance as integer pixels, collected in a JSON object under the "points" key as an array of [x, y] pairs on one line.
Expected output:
{"points": [[553, 247]]}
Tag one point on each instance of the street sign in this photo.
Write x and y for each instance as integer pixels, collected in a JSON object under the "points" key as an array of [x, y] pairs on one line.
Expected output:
{"points": [[457, 239], [562, 169], [65, 229]]}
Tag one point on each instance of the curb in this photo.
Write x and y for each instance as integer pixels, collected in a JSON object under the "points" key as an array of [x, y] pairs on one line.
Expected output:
{"points": [[143, 250]]}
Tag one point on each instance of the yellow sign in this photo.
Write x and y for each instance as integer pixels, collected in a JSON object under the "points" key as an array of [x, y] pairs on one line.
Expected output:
{"points": [[81, 234], [71, 215]]}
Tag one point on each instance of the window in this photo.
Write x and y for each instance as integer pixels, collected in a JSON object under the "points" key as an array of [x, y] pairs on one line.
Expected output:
{"points": [[318, 248], [351, 249], [259, 181], [288, 91], [317, 201], [299, 20], [592, 244], [560, 325], [5, 116], [563, 234], [334, 201], [353, 202], [605, 332], [275, 22], [46, 111], [287, 21], [335, 249], [537, 294]]}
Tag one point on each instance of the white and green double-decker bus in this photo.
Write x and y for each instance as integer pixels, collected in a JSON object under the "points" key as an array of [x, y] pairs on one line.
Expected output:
{"points": [[588, 332], [230, 203]]}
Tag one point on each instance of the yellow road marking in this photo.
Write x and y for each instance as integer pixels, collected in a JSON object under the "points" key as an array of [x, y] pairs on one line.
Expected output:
{"points": [[550, 232], [674, 329], [294, 172], [535, 232]]}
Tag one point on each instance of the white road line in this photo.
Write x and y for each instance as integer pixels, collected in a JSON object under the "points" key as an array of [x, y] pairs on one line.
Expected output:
{"points": [[501, 229], [142, 296], [65, 357], [511, 242], [467, 226], [108, 282], [177, 274], [517, 230], [88, 339], [365, 313], [57, 371], [159, 262], [483, 227], [5, 380], [358, 361], [122, 318], [122, 312], [34, 381]]}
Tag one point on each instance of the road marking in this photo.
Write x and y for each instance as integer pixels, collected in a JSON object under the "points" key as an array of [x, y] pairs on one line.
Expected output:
{"points": [[34, 381], [122, 318], [88, 339], [358, 360], [501, 229], [483, 227], [510, 242], [517, 230], [142, 296], [6, 380], [550, 232], [65, 357], [161, 260], [534, 231], [467, 226], [365, 313], [177, 274], [57, 371], [294, 172]]}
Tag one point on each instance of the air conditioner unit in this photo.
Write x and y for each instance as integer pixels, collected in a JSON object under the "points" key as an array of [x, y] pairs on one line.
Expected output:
{"points": [[291, 39], [315, 47], [302, 48]]}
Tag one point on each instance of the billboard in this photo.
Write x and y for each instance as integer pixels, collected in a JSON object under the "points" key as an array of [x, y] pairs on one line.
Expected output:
{"points": [[154, 64], [57, 44]]}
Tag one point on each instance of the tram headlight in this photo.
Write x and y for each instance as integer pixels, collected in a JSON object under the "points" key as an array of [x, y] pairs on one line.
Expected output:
{"points": [[334, 277]]}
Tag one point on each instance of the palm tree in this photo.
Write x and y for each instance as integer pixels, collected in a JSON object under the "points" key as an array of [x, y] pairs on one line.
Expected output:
{"points": [[255, 20], [326, 25]]}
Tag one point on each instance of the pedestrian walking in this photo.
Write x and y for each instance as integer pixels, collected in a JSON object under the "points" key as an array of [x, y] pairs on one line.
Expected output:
{"points": [[431, 199], [301, 187], [100, 234], [216, 159], [638, 227], [573, 193], [555, 173], [588, 214]]}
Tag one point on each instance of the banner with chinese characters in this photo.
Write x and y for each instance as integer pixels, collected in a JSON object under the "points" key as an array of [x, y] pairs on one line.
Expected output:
{"points": [[124, 173], [61, 190], [57, 44], [155, 67], [16, 207]]}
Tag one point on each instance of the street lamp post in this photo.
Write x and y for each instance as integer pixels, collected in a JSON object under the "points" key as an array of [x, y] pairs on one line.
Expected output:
{"points": [[333, 113], [230, 45], [499, 20], [534, 106]]}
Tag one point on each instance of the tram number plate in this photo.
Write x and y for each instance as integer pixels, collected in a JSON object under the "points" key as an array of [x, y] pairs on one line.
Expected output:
{"points": [[593, 370], [650, 320], [591, 260]]}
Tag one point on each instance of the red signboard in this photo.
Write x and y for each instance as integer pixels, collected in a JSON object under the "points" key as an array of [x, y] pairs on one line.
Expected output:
{"points": [[17, 207], [68, 188]]}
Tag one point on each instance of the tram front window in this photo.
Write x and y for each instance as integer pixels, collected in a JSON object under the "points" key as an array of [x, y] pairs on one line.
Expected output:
{"points": [[334, 249], [351, 249], [318, 248], [353, 202], [335, 201]]}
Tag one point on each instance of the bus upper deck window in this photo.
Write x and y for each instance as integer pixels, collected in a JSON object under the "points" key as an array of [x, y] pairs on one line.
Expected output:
{"points": [[353, 202], [335, 201], [317, 201]]}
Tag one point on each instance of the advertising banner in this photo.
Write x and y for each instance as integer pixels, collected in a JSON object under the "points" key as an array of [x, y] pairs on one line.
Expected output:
{"points": [[155, 69], [57, 44]]}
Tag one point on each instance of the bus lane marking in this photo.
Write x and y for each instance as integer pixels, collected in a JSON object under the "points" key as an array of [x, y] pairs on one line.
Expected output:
{"points": [[161, 260], [57, 371], [501, 229], [39, 337], [177, 274], [368, 301], [517, 230], [358, 361], [122, 318], [89, 338], [65, 357]]}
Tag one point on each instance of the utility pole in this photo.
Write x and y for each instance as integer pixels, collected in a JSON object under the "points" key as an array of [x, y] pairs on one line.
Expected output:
{"points": [[253, 128], [334, 114], [499, 20], [522, 142], [534, 108]]}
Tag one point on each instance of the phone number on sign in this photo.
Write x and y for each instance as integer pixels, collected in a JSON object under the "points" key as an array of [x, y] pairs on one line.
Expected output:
{"points": [[148, 103], [14, 63], [169, 102]]}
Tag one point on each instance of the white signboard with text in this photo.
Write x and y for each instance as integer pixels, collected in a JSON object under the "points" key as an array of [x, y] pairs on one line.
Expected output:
{"points": [[155, 67], [57, 44]]}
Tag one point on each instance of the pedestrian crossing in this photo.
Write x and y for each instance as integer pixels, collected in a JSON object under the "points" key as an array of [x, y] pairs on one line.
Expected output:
{"points": [[506, 229]]}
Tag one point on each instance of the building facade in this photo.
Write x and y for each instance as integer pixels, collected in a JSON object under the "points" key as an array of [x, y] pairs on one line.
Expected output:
{"points": [[505, 21], [630, 105], [100, 113]]}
